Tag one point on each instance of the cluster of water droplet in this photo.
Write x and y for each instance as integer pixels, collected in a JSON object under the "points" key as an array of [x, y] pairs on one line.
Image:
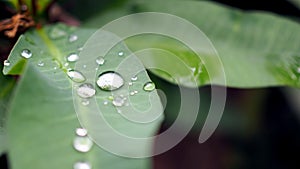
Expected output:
{"points": [[83, 144]]}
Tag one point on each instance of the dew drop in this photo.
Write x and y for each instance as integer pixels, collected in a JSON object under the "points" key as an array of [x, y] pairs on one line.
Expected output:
{"points": [[73, 57], [130, 83], [118, 101], [121, 53], [57, 33], [105, 102], [55, 67], [6, 63], [149, 86], [41, 63], [81, 132], [134, 78], [66, 64], [82, 144], [84, 66], [82, 165], [86, 90], [110, 98], [75, 76], [100, 60], [26, 53], [73, 38], [85, 102], [110, 81]]}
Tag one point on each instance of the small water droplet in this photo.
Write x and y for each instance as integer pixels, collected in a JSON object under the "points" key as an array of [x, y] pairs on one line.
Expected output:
{"points": [[136, 92], [96, 68], [73, 57], [110, 81], [75, 76], [110, 98], [80, 49], [26, 53], [66, 64], [134, 78], [82, 144], [41, 63], [149, 86], [81, 132], [86, 90], [84, 66], [56, 33], [105, 102], [100, 60], [121, 53], [85, 102], [55, 67], [6, 63], [73, 38], [118, 101], [132, 93], [119, 111], [82, 165], [130, 83]]}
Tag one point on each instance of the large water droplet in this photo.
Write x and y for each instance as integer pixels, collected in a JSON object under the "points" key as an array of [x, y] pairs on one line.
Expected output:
{"points": [[75, 76], [56, 33], [110, 81], [73, 38], [119, 101], [86, 90], [6, 63], [26, 53], [41, 63], [82, 165], [100, 60], [149, 86], [73, 57], [82, 144], [81, 132]]}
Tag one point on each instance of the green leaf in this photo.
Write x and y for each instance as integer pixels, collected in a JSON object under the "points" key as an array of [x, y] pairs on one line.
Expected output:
{"points": [[43, 119], [6, 88], [257, 49]]}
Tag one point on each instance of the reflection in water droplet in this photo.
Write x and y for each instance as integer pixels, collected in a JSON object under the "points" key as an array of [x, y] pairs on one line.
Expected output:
{"points": [[82, 144], [26, 53], [121, 53], [110, 81], [81, 132], [75, 76], [73, 57], [73, 38], [133, 92], [85, 102], [105, 102], [41, 63], [149, 86], [100, 60], [56, 33], [130, 83], [82, 165], [86, 90], [6, 63], [118, 101], [134, 78]]}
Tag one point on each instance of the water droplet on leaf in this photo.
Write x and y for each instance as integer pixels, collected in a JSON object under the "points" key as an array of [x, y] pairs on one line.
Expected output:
{"points": [[75, 76], [82, 165], [41, 63], [100, 60], [85, 102], [149, 86], [73, 38], [6, 63], [56, 33], [86, 90], [110, 81], [81, 132], [118, 101], [121, 53], [82, 144], [26, 53], [73, 57], [134, 78]]}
